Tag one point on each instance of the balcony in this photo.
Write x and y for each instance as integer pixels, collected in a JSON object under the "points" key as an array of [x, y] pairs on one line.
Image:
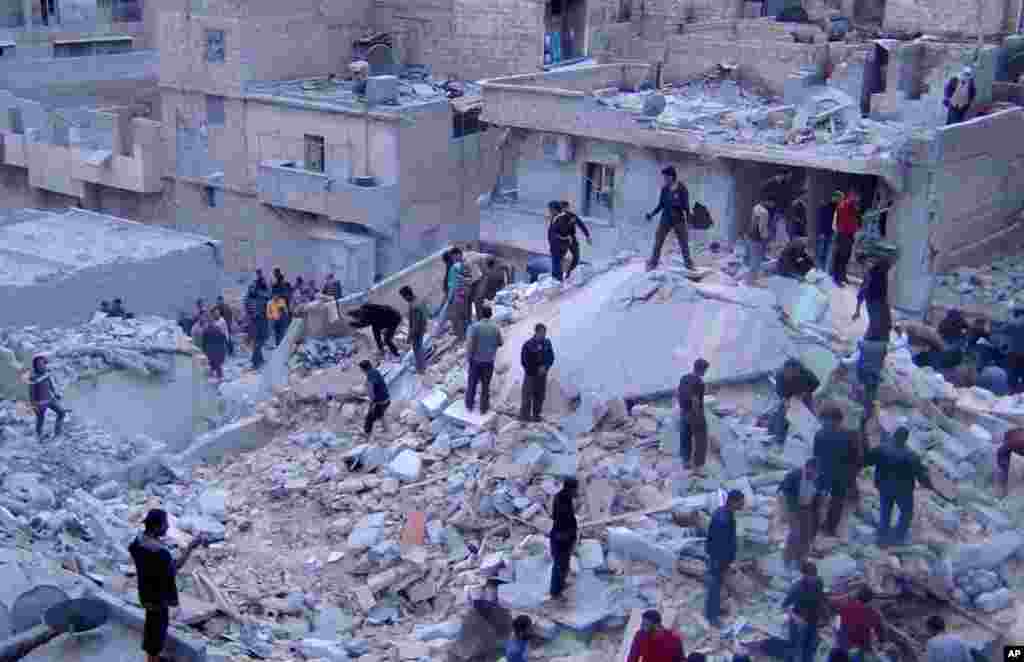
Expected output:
{"points": [[284, 184]]}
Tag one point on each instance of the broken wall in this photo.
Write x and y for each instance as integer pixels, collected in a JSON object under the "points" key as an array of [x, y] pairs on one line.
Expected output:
{"points": [[979, 184], [949, 17], [196, 273]]}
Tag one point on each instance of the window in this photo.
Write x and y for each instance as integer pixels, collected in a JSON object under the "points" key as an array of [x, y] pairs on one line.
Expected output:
{"points": [[314, 153], [215, 115], [466, 124], [599, 189], [214, 45], [211, 196], [14, 120]]}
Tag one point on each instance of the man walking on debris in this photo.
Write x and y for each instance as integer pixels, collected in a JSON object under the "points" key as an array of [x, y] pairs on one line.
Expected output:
{"points": [[563, 535], [157, 571], [380, 398], [860, 626], [721, 550], [1013, 444], [674, 206], [383, 321], [482, 345], [959, 95], [457, 302], [807, 603], [693, 425], [256, 309], [43, 395], [654, 643], [228, 315], [282, 288], [537, 357], [215, 343], [847, 224], [277, 313], [567, 223], [826, 229], [870, 363], [557, 244], [418, 316], [836, 451], [874, 293], [792, 380], [757, 239], [802, 500], [897, 472]]}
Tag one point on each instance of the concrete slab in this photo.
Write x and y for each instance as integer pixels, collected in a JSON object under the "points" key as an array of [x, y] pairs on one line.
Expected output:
{"points": [[801, 301], [457, 413], [245, 435]]}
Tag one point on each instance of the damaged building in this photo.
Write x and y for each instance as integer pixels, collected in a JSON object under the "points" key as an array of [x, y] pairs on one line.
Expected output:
{"points": [[728, 116]]}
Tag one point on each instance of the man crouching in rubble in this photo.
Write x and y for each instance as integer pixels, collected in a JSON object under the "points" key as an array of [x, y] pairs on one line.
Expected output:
{"points": [[157, 570]]}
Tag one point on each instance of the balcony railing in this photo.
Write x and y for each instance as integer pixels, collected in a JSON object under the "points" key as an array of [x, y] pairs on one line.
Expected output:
{"points": [[285, 184]]}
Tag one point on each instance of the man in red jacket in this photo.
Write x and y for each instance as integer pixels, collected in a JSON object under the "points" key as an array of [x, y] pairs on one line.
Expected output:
{"points": [[847, 224], [654, 643], [1013, 443]]}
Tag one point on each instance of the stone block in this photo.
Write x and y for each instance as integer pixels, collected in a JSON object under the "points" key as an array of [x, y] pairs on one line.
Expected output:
{"points": [[214, 503], [592, 408], [406, 466], [986, 555], [203, 525], [322, 649], [591, 555], [837, 568], [629, 544], [457, 413], [446, 630], [433, 404], [994, 601]]}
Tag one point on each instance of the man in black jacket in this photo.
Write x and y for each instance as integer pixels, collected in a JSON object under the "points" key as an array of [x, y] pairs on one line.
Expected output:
{"points": [[380, 397], [721, 548], [808, 604], [674, 206], [259, 326], [567, 225], [157, 570], [558, 244], [537, 357], [959, 95], [384, 320], [825, 230], [801, 499], [837, 452], [693, 424], [563, 535], [897, 472]]}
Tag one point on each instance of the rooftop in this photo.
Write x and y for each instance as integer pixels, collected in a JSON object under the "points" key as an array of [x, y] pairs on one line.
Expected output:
{"points": [[337, 94], [41, 245]]}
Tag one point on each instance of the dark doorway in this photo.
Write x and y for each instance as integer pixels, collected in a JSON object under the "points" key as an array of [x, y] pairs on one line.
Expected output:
{"points": [[565, 24]]}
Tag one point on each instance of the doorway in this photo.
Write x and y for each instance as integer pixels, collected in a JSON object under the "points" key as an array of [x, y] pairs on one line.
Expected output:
{"points": [[598, 191], [565, 24]]}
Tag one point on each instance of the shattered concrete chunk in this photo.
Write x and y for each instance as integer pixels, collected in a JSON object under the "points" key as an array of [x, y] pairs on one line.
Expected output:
{"points": [[214, 503], [433, 404], [321, 649], [446, 630], [406, 466], [29, 488], [837, 568], [203, 525], [592, 408], [632, 545], [591, 555], [994, 601], [988, 554]]}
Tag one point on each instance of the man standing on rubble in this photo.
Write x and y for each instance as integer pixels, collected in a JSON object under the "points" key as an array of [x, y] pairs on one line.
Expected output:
{"points": [[654, 643], [802, 501], [256, 309], [870, 362], [825, 227], [721, 548], [897, 472], [157, 571], [674, 207], [482, 345], [380, 398], [457, 302], [807, 603], [847, 224], [693, 425], [418, 316], [836, 451], [537, 357], [563, 535], [228, 315], [959, 95], [757, 238], [567, 223], [874, 293]]}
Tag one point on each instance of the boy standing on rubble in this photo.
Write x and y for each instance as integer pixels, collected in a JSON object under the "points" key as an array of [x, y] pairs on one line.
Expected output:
{"points": [[654, 643], [380, 398], [418, 316], [563, 535], [157, 570], [43, 395]]}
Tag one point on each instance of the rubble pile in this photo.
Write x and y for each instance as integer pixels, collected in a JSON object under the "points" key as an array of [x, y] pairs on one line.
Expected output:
{"points": [[724, 112], [996, 284], [333, 546], [315, 353]]}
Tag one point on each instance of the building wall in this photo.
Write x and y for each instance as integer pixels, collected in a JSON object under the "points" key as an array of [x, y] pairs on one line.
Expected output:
{"points": [[979, 182], [637, 184], [196, 272], [948, 16]]}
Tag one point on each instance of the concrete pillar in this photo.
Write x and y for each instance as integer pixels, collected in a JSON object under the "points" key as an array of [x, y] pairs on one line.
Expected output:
{"points": [[819, 185], [909, 227]]}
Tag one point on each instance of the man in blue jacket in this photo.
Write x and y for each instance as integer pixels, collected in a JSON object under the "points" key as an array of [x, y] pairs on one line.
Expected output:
{"points": [[721, 550], [674, 207]]}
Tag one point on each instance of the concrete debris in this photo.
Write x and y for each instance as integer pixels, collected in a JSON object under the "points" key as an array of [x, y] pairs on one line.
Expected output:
{"points": [[631, 545], [406, 466]]}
